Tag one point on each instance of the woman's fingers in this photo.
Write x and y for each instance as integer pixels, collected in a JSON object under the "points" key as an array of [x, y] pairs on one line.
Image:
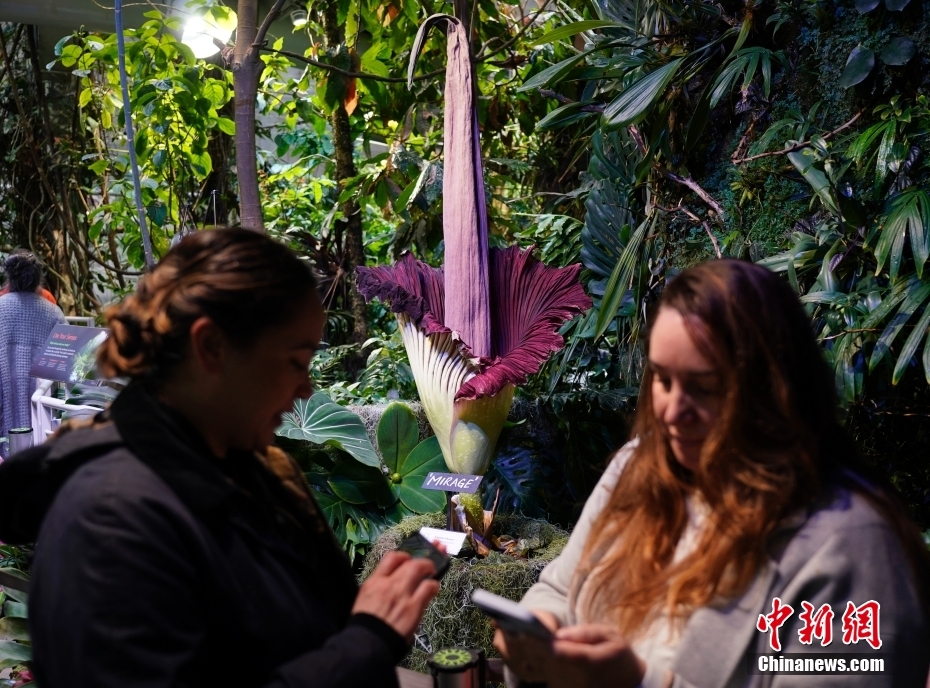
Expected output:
{"points": [[390, 562], [409, 574], [588, 633]]}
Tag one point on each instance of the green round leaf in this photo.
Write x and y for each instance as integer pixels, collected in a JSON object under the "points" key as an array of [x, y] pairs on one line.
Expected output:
{"points": [[899, 51], [866, 6], [359, 484], [398, 434], [896, 5], [859, 65], [322, 421], [425, 458], [14, 628]]}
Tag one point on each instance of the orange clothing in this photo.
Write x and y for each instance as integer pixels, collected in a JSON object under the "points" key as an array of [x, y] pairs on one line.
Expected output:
{"points": [[44, 293]]}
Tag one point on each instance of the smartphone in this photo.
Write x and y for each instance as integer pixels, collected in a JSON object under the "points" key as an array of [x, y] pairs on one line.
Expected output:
{"points": [[419, 547], [509, 615]]}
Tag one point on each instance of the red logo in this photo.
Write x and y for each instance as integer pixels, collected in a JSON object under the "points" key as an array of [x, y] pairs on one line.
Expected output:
{"points": [[861, 623], [772, 622], [816, 625]]}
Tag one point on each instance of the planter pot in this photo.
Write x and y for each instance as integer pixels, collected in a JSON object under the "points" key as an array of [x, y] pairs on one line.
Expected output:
{"points": [[451, 619]]}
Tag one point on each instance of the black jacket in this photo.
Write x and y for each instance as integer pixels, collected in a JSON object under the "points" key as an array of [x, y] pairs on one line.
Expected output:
{"points": [[158, 565]]}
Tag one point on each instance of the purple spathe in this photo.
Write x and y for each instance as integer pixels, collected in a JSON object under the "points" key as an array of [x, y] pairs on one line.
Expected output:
{"points": [[531, 302]]}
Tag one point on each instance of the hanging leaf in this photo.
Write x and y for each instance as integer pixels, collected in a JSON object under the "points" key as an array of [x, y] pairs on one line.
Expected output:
{"points": [[322, 421], [637, 99], [347, 521], [562, 116], [859, 65], [899, 51], [515, 471]]}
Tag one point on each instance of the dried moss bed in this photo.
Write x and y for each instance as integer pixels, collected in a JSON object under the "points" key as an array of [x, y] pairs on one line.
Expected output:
{"points": [[451, 619]]}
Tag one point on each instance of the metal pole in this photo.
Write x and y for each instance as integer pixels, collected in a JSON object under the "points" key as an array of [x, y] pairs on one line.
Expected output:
{"points": [[131, 138]]}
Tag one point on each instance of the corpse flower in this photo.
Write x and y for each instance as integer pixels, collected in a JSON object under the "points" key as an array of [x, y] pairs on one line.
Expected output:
{"points": [[482, 323]]}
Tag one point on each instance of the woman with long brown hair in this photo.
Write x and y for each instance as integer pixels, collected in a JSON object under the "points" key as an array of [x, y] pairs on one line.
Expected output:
{"points": [[175, 547], [735, 523]]}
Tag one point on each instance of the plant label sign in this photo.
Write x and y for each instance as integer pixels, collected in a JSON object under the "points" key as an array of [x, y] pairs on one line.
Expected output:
{"points": [[70, 354], [452, 482], [451, 539]]}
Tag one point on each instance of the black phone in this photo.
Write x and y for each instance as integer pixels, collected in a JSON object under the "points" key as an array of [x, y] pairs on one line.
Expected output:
{"points": [[418, 546], [509, 615]]}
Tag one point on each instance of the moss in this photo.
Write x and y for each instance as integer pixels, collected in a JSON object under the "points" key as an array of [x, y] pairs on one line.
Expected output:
{"points": [[451, 619]]}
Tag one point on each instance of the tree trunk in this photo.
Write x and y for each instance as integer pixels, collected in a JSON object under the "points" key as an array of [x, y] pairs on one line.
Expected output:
{"points": [[343, 144], [246, 68]]}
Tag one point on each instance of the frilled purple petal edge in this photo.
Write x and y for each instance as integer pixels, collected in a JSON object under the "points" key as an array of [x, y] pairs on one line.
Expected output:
{"points": [[409, 287], [531, 301]]}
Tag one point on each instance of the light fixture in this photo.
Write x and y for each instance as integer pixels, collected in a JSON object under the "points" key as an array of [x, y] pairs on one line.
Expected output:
{"points": [[299, 19], [201, 35]]}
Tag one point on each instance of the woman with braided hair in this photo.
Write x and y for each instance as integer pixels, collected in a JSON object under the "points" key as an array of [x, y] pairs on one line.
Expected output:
{"points": [[175, 548], [26, 320]]}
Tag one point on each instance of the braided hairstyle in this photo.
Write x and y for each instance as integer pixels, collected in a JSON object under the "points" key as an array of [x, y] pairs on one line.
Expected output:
{"points": [[23, 271], [243, 281]]}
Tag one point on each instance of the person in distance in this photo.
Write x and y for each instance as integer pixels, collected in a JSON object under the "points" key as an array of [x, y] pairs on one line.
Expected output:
{"points": [[739, 487], [175, 548]]}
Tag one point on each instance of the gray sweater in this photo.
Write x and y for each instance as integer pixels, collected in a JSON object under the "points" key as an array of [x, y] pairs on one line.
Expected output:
{"points": [[841, 551], [26, 320]]}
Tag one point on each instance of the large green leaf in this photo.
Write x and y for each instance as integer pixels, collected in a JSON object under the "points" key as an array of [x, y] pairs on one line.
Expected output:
{"points": [[899, 51], [619, 280], [553, 74], [398, 434], [907, 213], [359, 484], [859, 65], [349, 523], [322, 421], [806, 163], [575, 28], [910, 346], [15, 651], [426, 457], [14, 628], [631, 106], [916, 295]]}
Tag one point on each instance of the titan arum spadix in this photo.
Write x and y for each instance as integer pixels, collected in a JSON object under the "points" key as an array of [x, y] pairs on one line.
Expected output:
{"points": [[482, 323]]}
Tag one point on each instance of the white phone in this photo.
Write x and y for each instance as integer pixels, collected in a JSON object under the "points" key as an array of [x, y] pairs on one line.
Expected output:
{"points": [[510, 616]]}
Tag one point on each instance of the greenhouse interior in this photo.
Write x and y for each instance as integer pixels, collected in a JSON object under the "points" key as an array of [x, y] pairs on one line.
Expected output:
{"points": [[419, 344]]}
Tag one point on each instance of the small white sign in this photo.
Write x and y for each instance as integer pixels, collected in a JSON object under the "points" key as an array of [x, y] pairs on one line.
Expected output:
{"points": [[451, 539]]}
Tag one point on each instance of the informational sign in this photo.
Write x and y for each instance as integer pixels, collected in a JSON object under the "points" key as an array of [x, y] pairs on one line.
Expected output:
{"points": [[452, 482], [70, 354], [451, 539]]}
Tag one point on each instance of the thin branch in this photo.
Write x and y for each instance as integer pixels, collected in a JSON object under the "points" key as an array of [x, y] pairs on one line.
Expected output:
{"points": [[352, 75], [799, 146], [696, 188], [703, 223], [266, 24], [482, 56]]}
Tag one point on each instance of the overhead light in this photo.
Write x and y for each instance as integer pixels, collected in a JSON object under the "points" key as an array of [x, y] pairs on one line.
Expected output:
{"points": [[201, 35], [299, 19]]}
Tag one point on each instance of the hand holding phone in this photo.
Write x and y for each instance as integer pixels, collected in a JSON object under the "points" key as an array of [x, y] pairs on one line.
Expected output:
{"points": [[419, 547], [510, 616]]}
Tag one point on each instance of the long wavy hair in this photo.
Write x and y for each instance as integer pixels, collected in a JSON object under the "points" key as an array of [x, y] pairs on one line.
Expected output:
{"points": [[775, 446]]}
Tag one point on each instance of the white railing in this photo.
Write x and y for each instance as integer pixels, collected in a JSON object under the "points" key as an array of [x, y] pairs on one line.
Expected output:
{"points": [[44, 407]]}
